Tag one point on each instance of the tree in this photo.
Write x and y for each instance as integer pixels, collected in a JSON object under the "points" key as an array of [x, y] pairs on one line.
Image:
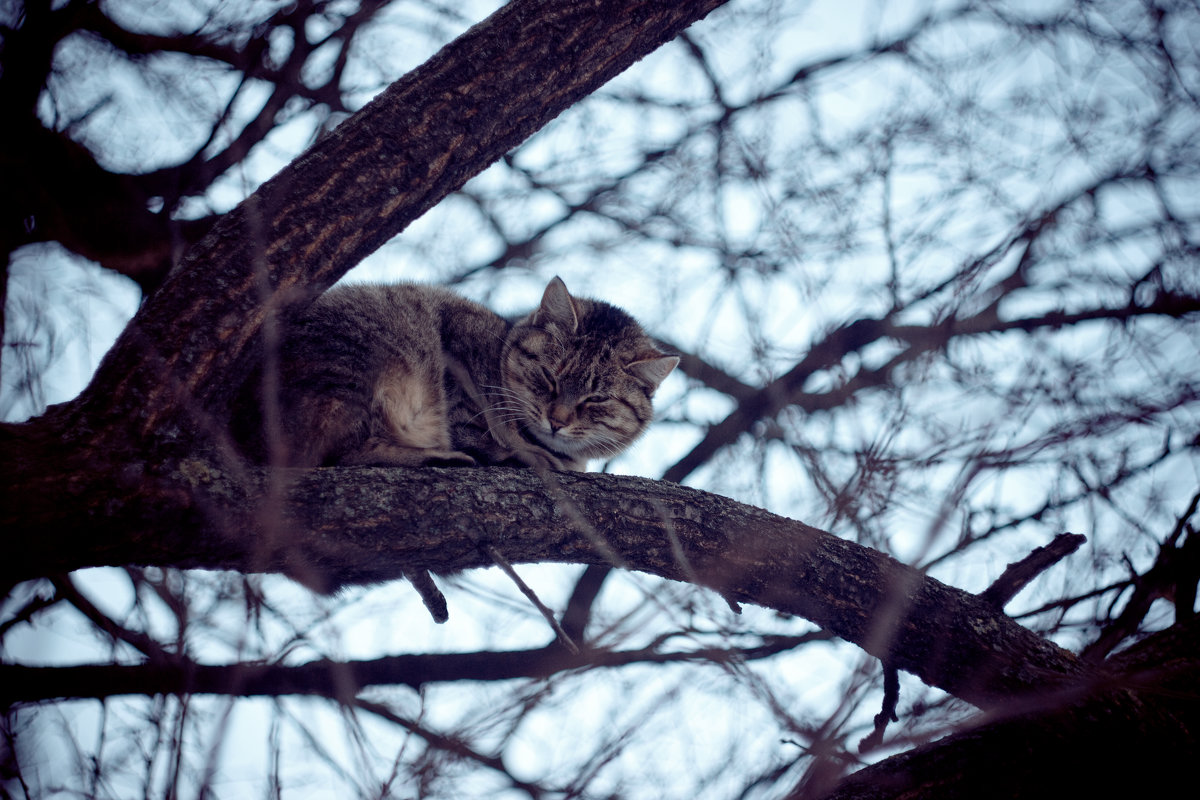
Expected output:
{"points": [[138, 470]]}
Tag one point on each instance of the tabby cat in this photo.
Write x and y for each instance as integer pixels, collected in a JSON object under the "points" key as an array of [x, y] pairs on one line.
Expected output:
{"points": [[414, 375]]}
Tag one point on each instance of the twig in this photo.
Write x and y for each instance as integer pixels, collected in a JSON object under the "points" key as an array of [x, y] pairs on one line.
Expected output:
{"points": [[502, 562], [431, 596], [891, 698], [1019, 573]]}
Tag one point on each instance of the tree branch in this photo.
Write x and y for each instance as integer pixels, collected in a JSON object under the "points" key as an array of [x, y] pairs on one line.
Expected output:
{"points": [[1019, 573], [419, 140], [341, 680], [329, 527], [1132, 734]]}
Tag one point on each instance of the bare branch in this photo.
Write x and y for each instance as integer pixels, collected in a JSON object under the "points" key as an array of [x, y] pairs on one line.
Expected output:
{"points": [[1019, 573], [341, 680], [390, 521]]}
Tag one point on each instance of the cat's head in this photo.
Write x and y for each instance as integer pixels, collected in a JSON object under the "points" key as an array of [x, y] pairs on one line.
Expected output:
{"points": [[579, 376]]}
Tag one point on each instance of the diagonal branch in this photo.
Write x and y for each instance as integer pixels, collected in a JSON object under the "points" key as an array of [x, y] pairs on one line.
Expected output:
{"points": [[419, 140]]}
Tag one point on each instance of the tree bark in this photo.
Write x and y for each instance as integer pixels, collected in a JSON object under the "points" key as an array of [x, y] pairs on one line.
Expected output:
{"points": [[174, 369], [329, 527], [138, 469]]}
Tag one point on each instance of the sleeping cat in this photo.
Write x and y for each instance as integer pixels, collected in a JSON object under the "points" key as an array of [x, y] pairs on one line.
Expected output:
{"points": [[412, 375]]}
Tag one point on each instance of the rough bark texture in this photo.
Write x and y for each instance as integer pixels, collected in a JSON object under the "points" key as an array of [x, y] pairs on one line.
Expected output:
{"points": [[336, 526], [421, 139]]}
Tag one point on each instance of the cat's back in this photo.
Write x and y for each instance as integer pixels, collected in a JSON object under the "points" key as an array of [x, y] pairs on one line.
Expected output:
{"points": [[375, 320], [375, 310], [363, 373]]}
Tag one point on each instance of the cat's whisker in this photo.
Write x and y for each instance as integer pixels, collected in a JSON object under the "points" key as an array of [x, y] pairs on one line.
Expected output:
{"points": [[509, 394], [509, 414]]}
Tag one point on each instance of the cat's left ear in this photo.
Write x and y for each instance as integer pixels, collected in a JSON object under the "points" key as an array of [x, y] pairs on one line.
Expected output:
{"points": [[558, 307], [653, 370]]}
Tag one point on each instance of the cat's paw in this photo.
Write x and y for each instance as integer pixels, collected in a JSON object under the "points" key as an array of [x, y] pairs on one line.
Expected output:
{"points": [[448, 458], [390, 455], [539, 459]]}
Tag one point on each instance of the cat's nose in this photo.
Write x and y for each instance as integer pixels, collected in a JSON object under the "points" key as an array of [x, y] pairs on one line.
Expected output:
{"points": [[560, 417]]}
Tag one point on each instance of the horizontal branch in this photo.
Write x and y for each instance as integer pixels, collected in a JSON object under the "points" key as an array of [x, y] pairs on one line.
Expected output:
{"points": [[330, 527], [787, 390], [341, 680]]}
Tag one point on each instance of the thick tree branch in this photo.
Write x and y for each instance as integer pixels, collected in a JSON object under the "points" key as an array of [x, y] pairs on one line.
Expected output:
{"points": [[422, 138], [1176, 568], [335, 526]]}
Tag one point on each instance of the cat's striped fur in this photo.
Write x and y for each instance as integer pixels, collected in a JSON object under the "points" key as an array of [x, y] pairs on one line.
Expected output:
{"points": [[415, 375]]}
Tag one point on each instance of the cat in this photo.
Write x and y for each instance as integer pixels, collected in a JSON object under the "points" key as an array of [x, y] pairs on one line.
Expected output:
{"points": [[412, 375]]}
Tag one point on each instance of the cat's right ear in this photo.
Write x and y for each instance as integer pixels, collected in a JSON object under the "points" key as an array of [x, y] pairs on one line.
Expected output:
{"points": [[653, 370], [558, 307]]}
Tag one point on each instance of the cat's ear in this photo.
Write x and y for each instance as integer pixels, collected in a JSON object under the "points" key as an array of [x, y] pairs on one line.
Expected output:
{"points": [[653, 370], [558, 307]]}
